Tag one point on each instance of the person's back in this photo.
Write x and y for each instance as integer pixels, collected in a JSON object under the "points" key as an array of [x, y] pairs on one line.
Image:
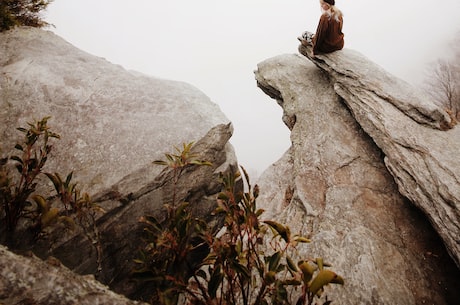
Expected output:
{"points": [[328, 37]]}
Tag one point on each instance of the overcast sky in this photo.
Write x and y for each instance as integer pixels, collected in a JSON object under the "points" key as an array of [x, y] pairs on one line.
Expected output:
{"points": [[216, 45]]}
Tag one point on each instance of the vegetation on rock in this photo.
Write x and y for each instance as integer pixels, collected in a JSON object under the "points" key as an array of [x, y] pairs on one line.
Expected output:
{"points": [[21, 205], [185, 258], [22, 12], [237, 260]]}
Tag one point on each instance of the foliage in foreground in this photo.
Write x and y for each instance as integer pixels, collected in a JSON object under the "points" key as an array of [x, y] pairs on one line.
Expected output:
{"points": [[22, 12], [20, 202], [184, 258]]}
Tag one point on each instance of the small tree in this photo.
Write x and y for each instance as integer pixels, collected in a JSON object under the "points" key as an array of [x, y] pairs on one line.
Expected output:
{"points": [[443, 82], [22, 12], [444, 85]]}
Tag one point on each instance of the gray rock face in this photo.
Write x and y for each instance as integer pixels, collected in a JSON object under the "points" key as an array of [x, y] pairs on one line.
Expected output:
{"points": [[29, 280], [369, 83], [111, 121], [421, 159], [333, 186]]}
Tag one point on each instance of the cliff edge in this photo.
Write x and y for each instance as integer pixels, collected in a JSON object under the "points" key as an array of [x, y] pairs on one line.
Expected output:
{"points": [[368, 153]]}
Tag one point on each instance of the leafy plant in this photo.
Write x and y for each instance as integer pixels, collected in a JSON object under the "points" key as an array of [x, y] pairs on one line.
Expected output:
{"points": [[14, 195], [239, 268], [173, 245], [22, 12], [179, 162], [18, 197], [79, 207]]}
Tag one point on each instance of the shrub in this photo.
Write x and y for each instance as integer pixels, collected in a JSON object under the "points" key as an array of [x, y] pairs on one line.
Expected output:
{"points": [[22, 12], [18, 197], [16, 190], [175, 244], [235, 266]]}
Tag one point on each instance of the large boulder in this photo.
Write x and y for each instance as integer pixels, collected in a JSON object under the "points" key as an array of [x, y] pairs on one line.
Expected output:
{"points": [[113, 123], [405, 125], [333, 186]]}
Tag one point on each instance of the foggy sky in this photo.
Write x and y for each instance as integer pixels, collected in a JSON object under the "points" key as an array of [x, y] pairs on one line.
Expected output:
{"points": [[216, 46]]}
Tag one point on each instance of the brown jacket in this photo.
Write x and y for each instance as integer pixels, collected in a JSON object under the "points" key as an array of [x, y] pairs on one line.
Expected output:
{"points": [[329, 36]]}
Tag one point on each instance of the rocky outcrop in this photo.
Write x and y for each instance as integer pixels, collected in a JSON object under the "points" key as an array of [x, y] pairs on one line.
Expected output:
{"points": [[421, 159], [113, 123], [368, 83], [29, 280], [334, 186]]}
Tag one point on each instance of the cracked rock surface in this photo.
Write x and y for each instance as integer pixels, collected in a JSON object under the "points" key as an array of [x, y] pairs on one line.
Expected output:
{"points": [[333, 185], [113, 124], [408, 128]]}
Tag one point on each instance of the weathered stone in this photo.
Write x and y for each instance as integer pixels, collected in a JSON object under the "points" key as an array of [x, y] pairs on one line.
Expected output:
{"points": [[421, 159], [29, 280], [120, 230], [368, 82], [113, 123], [332, 186]]}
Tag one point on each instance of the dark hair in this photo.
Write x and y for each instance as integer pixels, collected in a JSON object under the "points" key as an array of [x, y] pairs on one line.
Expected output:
{"points": [[331, 2]]}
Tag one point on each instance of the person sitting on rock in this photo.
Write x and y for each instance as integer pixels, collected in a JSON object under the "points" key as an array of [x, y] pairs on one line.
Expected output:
{"points": [[329, 36]]}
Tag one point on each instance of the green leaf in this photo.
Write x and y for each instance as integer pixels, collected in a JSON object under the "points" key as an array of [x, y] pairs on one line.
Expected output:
{"points": [[68, 221], [307, 271], [241, 269], [57, 182], [274, 261], [283, 231], [259, 212], [222, 196], [291, 265], [319, 263], [160, 162], [152, 222], [138, 261], [41, 203], [338, 280], [49, 216], [68, 179], [210, 259], [270, 277], [215, 281], [54, 135], [323, 278], [301, 239], [170, 158], [199, 162]]}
